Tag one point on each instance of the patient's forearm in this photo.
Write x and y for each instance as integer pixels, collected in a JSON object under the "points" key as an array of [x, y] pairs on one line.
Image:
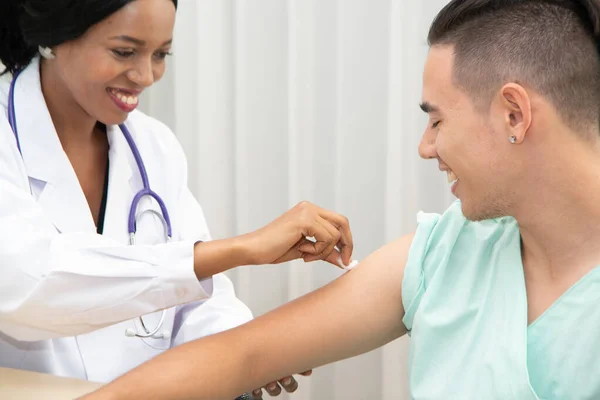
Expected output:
{"points": [[286, 341], [352, 315], [184, 373]]}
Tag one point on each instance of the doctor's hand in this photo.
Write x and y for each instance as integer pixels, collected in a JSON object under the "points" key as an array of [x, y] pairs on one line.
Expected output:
{"points": [[289, 384], [306, 231]]}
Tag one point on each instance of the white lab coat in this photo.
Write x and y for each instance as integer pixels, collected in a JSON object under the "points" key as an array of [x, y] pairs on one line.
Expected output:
{"points": [[67, 295]]}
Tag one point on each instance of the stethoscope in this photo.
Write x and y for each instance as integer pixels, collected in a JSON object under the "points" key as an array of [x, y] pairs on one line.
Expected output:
{"points": [[131, 225]]}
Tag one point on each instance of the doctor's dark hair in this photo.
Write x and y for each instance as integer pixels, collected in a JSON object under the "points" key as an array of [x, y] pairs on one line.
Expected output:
{"points": [[27, 24], [550, 46]]}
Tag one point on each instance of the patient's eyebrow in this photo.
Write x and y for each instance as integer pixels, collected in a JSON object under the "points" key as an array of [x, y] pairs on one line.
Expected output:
{"points": [[428, 107]]}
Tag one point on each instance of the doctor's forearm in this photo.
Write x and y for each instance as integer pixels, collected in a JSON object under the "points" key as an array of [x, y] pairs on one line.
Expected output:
{"points": [[214, 257]]}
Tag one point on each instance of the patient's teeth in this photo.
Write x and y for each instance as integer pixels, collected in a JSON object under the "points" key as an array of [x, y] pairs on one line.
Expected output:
{"points": [[451, 176]]}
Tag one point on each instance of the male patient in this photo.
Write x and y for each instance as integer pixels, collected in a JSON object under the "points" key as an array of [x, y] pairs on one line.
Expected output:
{"points": [[501, 293]]}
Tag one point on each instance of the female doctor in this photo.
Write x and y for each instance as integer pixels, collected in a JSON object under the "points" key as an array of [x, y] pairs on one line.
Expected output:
{"points": [[98, 227]]}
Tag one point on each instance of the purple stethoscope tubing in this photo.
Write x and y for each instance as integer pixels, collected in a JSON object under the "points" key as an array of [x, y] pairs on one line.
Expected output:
{"points": [[146, 191], [131, 223]]}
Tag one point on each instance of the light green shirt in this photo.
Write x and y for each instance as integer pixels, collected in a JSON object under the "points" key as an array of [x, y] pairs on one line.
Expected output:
{"points": [[466, 312]]}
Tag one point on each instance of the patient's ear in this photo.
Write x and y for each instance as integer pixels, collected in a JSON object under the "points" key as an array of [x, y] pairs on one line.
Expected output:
{"points": [[515, 105]]}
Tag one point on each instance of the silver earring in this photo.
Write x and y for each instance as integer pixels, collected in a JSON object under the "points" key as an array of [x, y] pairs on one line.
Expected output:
{"points": [[512, 139], [46, 52]]}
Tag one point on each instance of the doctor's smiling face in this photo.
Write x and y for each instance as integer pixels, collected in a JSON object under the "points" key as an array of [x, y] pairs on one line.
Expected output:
{"points": [[104, 71]]}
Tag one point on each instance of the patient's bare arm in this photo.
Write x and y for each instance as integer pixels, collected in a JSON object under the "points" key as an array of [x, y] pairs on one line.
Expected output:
{"points": [[356, 313]]}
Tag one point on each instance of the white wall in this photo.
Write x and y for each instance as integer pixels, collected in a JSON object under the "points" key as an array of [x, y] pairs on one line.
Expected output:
{"points": [[278, 101]]}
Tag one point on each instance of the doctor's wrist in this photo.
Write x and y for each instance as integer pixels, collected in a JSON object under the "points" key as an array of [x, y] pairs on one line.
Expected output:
{"points": [[214, 257]]}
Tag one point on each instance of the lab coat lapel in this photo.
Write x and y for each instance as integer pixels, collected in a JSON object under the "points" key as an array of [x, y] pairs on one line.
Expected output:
{"points": [[126, 182], [121, 186], [51, 175]]}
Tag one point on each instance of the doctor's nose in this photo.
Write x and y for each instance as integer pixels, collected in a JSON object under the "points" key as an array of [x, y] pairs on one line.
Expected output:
{"points": [[142, 75], [427, 147]]}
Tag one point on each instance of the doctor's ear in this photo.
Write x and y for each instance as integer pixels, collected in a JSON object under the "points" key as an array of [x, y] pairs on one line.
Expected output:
{"points": [[516, 110], [46, 52]]}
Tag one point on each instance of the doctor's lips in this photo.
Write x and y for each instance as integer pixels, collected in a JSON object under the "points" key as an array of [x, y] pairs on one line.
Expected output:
{"points": [[126, 100]]}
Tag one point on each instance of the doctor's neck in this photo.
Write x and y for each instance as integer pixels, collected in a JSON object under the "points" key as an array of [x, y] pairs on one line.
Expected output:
{"points": [[75, 127]]}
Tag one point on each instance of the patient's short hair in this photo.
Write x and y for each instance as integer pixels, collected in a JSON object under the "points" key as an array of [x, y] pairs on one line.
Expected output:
{"points": [[551, 47]]}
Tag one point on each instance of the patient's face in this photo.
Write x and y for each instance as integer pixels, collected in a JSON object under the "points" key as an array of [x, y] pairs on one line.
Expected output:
{"points": [[461, 139]]}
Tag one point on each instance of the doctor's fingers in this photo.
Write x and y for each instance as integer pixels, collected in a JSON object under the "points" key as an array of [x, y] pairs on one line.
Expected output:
{"points": [[289, 384], [326, 236], [273, 389], [333, 258], [341, 223], [308, 214]]}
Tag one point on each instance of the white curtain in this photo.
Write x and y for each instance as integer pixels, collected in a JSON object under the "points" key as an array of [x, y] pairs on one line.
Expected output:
{"points": [[278, 101]]}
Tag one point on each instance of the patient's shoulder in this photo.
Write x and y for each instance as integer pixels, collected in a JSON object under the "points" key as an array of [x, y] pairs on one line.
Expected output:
{"points": [[439, 235], [447, 243]]}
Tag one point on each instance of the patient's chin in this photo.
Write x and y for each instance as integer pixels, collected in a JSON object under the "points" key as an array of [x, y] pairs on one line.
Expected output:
{"points": [[480, 213]]}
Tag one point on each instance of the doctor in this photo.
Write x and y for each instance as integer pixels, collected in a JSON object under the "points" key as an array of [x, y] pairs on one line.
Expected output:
{"points": [[97, 225]]}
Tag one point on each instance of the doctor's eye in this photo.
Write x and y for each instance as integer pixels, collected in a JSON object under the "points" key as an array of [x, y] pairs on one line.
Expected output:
{"points": [[123, 53]]}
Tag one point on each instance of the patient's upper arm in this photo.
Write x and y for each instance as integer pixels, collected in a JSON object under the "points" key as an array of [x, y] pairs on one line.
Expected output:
{"points": [[376, 285], [360, 311]]}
